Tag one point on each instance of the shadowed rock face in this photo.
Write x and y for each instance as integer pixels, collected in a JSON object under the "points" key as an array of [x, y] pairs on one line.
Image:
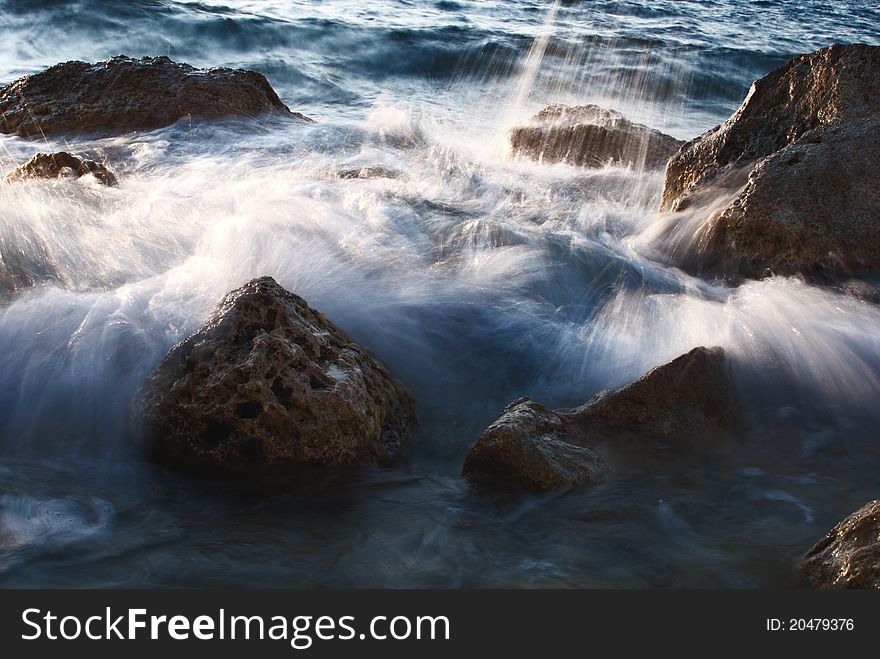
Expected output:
{"points": [[849, 555], [268, 384], [125, 94], [12, 275], [678, 402], [61, 164], [525, 449], [534, 448], [801, 157], [591, 136]]}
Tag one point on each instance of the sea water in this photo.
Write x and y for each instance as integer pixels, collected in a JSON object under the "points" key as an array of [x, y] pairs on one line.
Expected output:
{"points": [[476, 277]]}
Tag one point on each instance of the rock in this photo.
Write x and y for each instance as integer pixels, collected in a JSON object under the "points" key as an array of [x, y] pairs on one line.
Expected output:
{"points": [[268, 385], [849, 555], [532, 447], [61, 164], [17, 271], [376, 171], [810, 208], [591, 136], [800, 158], [124, 94], [523, 449], [682, 401]]}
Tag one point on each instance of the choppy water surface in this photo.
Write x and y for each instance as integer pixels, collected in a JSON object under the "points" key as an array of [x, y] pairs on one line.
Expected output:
{"points": [[476, 278]]}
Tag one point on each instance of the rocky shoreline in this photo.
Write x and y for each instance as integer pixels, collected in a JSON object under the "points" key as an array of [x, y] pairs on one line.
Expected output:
{"points": [[268, 385]]}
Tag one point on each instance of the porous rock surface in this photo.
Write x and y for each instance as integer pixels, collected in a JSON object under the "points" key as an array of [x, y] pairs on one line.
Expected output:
{"points": [[849, 555], [268, 384]]}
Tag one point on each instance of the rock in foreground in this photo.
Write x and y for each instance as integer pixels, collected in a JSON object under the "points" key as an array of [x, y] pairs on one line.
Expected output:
{"points": [[524, 449], [591, 136], [268, 384], [849, 555], [125, 94], [61, 165], [800, 158], [534, 448]]}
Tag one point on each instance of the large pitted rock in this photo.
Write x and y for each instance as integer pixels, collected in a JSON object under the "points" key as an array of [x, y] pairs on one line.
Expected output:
{"points": [[124, 94], [269, 384], [531, 447], [60, 165], [591, 136], [849, 555], [524, 449], [800, 158]]}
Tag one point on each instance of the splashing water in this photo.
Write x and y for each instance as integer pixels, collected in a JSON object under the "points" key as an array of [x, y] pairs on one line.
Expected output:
{"points": [[476, 278]]}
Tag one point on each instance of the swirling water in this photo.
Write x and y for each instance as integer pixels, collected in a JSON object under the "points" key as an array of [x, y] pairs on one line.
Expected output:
{"points": [[477, 278]]}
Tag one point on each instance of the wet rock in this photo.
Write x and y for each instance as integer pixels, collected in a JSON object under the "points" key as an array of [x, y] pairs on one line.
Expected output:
{"points": [[18, 271], [800, 158], [61, 165], [124, 94], [591, 136], [849, 555], [531, 447], [268, 385], [866, 290], [682, 401], [376, 171], [524, 449]]}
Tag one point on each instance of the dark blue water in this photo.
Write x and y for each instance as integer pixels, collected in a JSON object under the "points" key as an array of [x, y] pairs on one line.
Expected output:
{"points": [[477, 278]]}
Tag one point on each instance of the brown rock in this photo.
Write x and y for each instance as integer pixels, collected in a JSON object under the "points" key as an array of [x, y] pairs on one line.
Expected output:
{"points": [[678, 402], [125, 94], [810, 208], [800, 158], [829, 86], [61, 164], [523, 449], [591, 136], [534, 448], [849, 555], [268, 384]]}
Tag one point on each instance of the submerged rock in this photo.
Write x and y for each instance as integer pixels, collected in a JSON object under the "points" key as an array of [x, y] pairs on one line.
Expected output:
{"points": [[800, 158], [524, 449], [375, 171], [18, 271], [531, 447], [849, 555], [269, 384], [61, 165], [591, 136], [124, 94]]}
